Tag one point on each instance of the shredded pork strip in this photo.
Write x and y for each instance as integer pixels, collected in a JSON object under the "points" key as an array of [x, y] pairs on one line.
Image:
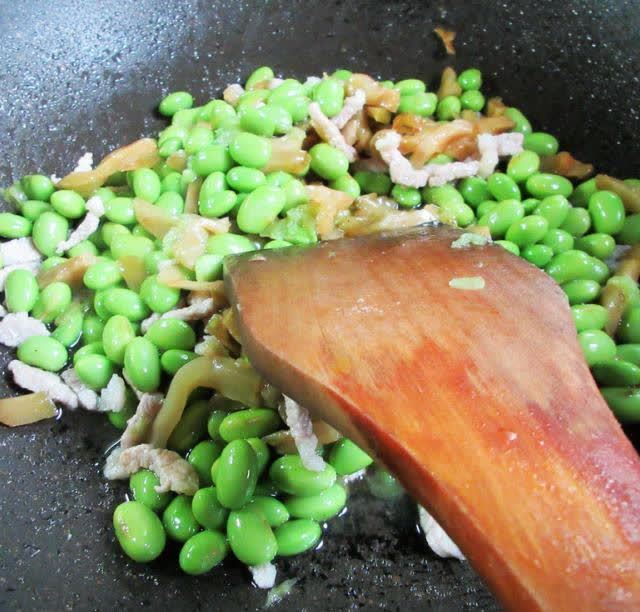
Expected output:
{"points": [[329, 132]]}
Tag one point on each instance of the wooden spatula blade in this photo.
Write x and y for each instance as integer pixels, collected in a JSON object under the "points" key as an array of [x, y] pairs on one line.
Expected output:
{"points": [[478, 400]]}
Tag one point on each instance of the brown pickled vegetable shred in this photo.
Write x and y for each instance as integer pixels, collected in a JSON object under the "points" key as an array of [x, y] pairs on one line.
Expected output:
{"points": [[565, 164], [283, 443], [613, 297], [449, 85], [142, 153], [446, 37], [133, 271], [629, 195], [191, 197], [154, 219], [287, 153], [26, 409], [495, 107], [376, 94], [326, 203], [70, 271], [173, 276]]}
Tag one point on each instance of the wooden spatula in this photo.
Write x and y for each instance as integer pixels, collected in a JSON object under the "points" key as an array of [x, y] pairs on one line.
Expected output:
{"points": [[478, 400]]}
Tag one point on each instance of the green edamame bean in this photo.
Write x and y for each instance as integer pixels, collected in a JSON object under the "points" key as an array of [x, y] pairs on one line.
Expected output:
{"points": [[616, 373], [276, 244], [347, 458], [139, 531], [596, 346], [250, 150], [260, 208], [295, 192], [51, 262], [251, 99], [597, 245], [95, 371], [158, 297], [577, 222], [281, 118], [383, 485], [530, 204], [146, 184], [629, 352], [86, 246], [250, 537], [69, 325], [20, 291], [273, 510], [558, 240], [263, 454], [502, 216], [31, 210], [171, 334], [185, 117], [173, 359], [448, 108], [68, 203], [208, 267], [110, 230], [582, 193], [210, 159], [607, 212], [93, 348], [319, 507], [218, 204], [199, 137], [102, 275], [296, 106], [92, 328], [120, 210], [297, 536], [329, 94], [245, 180], [485, 207], [554, 209], [229, 244], [509, 246], [574, 265], [267, 488], [143, 488], [472, 100], [53, 300], [542, 185], [43, 352], [172, 202], [470, 79], [475, 191], [169, 146], [174, 102], [207, 509], [172, 183], [202, 456], [589, 316], [259, 75], [219, 113], [213, 424], [14, 226], [420, 103], [541, 143], [408, 87], [49, 230], [36, 187], [202, 552], [289, 88], [630, 233], [503, 187], [237, 474], [142, 364], [214, 470], [178, 519], [624, 402], [522, 124], [136, 246], [250, 423], [407, 197], [528, 230], [290, 476], [125, 302], [629, 328], [581, 291], [191, 428], [328, 162], [117, 334]]}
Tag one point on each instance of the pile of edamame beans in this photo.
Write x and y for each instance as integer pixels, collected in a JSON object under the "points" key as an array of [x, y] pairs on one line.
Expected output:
{"points": [[252, 501]]}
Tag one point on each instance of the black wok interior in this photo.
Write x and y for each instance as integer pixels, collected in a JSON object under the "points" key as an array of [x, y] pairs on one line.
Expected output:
{"points": [[82, 76]]}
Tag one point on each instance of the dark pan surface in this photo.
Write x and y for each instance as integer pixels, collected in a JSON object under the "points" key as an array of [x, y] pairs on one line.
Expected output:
{"points": [[78, 76]]}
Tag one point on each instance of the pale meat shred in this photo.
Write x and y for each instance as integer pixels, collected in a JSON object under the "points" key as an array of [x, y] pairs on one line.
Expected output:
{"points": [[301, 427], [232, 93], [139, 425], [437, 539], [87, 398], [264, 576], [149, 321], [16, 327], [135, 390], [175, 473], [113, 396], [447, 173], [274, 82], [329, 132], [19, 251], [35, 379], [85, 163], [196, 311], [491, 147], [85, 228], [352, 106]]}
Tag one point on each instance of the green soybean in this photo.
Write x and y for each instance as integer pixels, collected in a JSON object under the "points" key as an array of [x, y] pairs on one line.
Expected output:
{"points": [[474, 190], [14, 226], [139, 531], [485, 207], [472, 100], [589, 316], [126, 302], [143, 488], [330, 96], [202, 456], [43, 352], [260, 208], [541, 143], [158, 297], [616, 373], [174, 102], [420, 103], [250, 537], [178, 519], [49, 230], [250, 423], [470, 79], [250, 150], [85, 246], [237, 474], [522, 124], [581, 291], [582, 193], [607, 212], [120, 418], [101, 275], [273, 510], [347, 458], [146, 184], [624, 402], [319, 507], [502, 216], [596, 346], [554, 209], [263, 454], [410, 86], [558, 240], [68, 203], [217, 204], [577, 222], [202, 552], [407, 197], [542, 185], [92, 348], [31, 210], [295, 192], [94, 371], [449, 108], [629, 352], [173, 359], [191, 428], [297, 536], [199, 137], [601, 246], [528, 230], [214, 422], [509, 246], [259, 75], [328, 162], [110, 230], [245, 180], [574, 265], [207, 509], [219, 113], [629, 328], [37, 187], [120, 210], [280, 116], [172, 202], [69, 325], [383, 485], [229, 244], [53, 300], [171, 334], [290, 476], [503, 187], [117, 334], [20, 291], [142, 364]]}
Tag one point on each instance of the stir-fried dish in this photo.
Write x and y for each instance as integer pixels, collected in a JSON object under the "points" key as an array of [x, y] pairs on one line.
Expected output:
{"points": [[114, 299]]}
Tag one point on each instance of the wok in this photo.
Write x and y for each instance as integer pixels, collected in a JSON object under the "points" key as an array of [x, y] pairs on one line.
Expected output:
{"points": [[84, 76]]}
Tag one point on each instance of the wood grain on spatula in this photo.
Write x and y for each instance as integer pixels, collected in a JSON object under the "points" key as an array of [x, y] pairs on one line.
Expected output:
{"points": [[478, 400]]}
